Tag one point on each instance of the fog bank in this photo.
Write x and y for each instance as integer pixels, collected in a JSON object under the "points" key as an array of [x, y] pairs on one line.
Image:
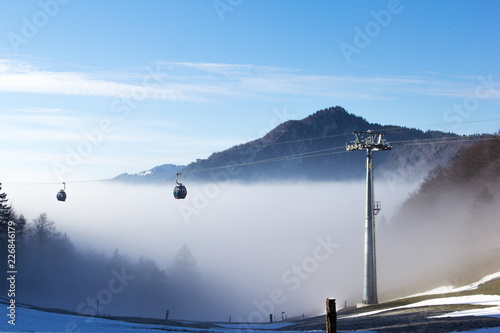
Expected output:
{"points": [[260, 249]]}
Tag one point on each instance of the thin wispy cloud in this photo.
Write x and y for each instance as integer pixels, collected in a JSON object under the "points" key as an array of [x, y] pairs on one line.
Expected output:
{"points": [[23, 78], [43, 110], [205, 82]]}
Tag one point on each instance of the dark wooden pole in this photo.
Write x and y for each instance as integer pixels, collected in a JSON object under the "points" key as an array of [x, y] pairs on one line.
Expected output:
{"points": [[331, 316]]}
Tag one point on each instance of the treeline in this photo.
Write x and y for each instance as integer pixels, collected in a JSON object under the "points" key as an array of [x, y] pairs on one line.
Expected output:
{"points": [[52, 273], [468, 186]]}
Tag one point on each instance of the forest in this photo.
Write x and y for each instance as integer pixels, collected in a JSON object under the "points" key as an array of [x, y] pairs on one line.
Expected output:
{"points": [[471, 177], [53, 273]]}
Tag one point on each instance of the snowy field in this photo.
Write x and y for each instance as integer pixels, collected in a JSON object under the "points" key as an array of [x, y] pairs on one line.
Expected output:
{"points": [[31, 320]]}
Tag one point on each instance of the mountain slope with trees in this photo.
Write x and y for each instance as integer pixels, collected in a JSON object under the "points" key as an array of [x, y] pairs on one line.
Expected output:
{"points": [[155, 175], [448, 229], [314, 149], [471, 178]]}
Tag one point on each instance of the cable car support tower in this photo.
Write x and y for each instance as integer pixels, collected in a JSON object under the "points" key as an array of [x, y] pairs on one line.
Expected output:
{"points": [[370, 141]]}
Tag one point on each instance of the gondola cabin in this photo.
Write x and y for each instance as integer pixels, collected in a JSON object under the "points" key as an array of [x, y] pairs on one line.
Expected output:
{"points": [[180, 190], [61, 195]]}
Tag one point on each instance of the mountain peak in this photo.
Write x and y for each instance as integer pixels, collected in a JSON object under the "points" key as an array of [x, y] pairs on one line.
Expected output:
{"points": [[313, 148]]}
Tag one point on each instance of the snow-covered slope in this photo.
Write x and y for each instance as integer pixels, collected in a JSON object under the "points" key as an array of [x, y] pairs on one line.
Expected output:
{"points": [[453, 289], [33, 320], [484, 303], [492, 302], [156, 175]]}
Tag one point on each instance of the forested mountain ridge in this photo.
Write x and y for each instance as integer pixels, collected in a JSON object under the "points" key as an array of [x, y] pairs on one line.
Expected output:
{"points": [[314, 149], [473, 175], [446, 232], [155, 175]]}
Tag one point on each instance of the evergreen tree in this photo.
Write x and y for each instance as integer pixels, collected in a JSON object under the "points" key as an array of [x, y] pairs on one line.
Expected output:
{"points": [[5, 211], [185, 264], [20, 224]]}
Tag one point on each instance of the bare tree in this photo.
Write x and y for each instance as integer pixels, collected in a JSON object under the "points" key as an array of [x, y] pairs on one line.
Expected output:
{"points": [[43, 228]]}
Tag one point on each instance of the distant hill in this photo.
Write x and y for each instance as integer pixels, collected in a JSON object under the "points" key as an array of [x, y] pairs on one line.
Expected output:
{"points": [[313, 149], [157, 174]]}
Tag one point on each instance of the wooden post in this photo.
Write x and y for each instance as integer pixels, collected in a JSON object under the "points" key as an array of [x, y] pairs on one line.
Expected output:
{"points": [[331, 316]]}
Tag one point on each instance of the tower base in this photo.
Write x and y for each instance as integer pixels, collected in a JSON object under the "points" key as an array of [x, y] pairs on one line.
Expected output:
{"points": [[362, 305]]}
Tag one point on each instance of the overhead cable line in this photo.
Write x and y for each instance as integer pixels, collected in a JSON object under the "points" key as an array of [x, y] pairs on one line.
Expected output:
{"points": [[323, 152], [310, 154], [315, 153]]}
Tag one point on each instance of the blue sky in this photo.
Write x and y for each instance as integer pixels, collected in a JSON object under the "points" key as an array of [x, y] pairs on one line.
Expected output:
{"points": [[91, 89]]}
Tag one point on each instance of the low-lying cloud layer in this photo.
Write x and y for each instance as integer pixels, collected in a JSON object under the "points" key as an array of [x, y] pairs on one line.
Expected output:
{"points": [[261, 249]]}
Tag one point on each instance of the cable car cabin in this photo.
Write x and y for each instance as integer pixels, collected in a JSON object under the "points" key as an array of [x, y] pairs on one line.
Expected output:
{"points": [[180, 192], [61, 195]]}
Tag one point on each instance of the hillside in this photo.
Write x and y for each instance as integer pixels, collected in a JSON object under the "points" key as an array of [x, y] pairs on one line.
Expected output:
{"points": [[313, 148], [471, 178], [476, 306], [459, 309], [155, 175], [447, 231]]}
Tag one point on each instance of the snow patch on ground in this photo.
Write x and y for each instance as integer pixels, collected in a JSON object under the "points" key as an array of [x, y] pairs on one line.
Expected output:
{"points": [[256, 326], [453, 289], [31, 320], [490, 300], [485, 330]]}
